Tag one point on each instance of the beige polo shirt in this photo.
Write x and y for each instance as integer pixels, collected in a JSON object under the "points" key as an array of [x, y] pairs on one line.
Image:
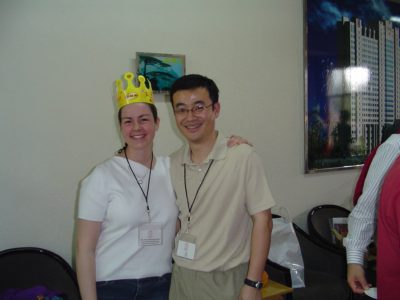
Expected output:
{"points": [[234, 188]]}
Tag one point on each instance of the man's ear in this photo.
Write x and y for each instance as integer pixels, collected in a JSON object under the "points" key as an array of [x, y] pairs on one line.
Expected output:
{"points": [[217, 108]]}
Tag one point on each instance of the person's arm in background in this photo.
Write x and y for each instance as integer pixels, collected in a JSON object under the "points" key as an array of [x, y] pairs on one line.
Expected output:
{"points": [[260, 243], [362, 220], [87, 236]]}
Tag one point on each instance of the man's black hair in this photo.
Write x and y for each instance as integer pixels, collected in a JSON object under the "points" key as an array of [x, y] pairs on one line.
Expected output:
{"points": [[193, 81]]}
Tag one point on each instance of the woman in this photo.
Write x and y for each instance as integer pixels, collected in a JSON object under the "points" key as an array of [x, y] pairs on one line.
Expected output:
{"points": [[127, 213]]}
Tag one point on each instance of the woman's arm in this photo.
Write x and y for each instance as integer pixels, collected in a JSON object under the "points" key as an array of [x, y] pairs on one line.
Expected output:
{"points": [[87, 236]]}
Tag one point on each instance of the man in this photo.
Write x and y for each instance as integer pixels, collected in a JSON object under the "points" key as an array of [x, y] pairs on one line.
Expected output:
{"points": [[224, 202], [388, 262], [362, 219]]}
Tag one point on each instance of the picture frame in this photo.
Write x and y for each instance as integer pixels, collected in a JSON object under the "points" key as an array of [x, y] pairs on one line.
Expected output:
{"points": [[351, 76], [160, 69]]}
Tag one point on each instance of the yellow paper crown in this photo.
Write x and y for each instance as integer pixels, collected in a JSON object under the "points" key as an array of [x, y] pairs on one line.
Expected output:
{"points": [[132, 93]]}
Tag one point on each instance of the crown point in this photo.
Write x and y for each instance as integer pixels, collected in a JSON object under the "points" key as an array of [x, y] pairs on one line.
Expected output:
{"points": [[128, 76]]}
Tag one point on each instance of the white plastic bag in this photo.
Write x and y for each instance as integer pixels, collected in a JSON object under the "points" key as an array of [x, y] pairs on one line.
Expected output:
{"points": [[285, 250]]}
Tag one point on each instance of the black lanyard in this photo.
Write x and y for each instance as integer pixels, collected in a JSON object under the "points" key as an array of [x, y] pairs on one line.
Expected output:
{"points": [[195, 196], [146, 196]]}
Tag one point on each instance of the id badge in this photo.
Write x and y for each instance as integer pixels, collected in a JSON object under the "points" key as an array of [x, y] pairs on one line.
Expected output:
{"points": [[186, 246], [150, 234]]}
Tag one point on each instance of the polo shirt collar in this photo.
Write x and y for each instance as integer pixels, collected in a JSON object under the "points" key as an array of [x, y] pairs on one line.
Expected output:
{"points": [[218, 152]]}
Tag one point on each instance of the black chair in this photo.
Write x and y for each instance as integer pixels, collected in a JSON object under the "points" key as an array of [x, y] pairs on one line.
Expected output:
{"points": [[27, 267], [320, 226], [324, 271]]}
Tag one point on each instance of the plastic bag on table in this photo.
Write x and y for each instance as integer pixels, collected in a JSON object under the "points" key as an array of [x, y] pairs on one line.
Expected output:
{"points": [[285, 250]]}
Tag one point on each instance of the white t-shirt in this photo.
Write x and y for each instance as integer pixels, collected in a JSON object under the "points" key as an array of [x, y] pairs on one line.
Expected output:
{"points": [[111, 195]]}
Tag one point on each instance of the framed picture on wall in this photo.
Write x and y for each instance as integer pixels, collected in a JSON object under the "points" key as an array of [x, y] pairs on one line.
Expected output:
{"points": [[161, 69], [352, 79]]}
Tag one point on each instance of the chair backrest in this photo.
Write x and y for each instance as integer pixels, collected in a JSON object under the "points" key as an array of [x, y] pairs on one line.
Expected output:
{"points": [[320, 257], [319, 222], [325, 270], [27, 267]]}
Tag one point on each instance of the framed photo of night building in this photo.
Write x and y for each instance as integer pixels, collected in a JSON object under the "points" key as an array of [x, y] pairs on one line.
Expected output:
{"points": [[352, 79], [161, 69]]}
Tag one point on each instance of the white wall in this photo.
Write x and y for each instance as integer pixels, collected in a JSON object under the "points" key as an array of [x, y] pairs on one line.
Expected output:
{"points": [[59, 60]]}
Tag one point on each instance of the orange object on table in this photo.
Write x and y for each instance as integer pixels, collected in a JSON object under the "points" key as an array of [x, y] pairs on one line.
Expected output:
{"points": [[264, 278], [274, 290]]}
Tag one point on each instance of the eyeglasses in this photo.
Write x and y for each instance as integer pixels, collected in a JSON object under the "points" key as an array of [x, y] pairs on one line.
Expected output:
{"points": [[196, 110]]}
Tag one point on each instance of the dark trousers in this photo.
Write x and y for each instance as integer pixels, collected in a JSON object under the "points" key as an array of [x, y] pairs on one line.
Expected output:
{"points": [[151, 288]]}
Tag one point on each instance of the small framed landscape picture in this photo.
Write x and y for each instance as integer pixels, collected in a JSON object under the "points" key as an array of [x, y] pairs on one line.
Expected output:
{"points": [[160, 69]]}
